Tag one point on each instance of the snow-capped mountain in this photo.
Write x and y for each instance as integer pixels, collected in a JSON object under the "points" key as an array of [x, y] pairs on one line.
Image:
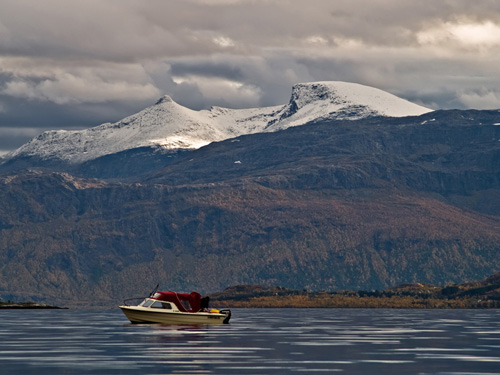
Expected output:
{"points": [[169, 125], [341, 101]]}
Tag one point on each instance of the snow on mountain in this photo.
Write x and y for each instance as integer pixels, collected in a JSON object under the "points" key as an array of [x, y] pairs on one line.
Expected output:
{"points": [[341, 101], [171, 126]]}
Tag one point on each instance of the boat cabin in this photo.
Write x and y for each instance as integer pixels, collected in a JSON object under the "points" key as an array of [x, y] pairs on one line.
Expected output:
{"points": [[184, 302]]}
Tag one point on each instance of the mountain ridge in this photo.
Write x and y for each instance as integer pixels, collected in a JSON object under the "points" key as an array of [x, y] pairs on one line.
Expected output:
{"points": [[364, 204], [171, 127]]}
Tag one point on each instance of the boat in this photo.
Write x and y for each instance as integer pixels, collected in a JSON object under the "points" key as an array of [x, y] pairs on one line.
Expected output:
{"points": [[174, 308]]}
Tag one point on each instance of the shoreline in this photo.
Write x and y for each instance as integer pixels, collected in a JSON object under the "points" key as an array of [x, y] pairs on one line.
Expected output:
{"points": [[26, 305]]}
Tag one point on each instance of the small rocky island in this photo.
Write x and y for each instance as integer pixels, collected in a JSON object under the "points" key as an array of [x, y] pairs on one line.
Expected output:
{"points": [[26, 305]]}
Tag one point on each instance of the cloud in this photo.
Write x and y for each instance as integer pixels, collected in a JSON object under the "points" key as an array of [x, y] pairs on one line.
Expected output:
{"points": [[481, 99], [93, 60], [67, 89], [68, 82], [227, 93], [464, 35]]}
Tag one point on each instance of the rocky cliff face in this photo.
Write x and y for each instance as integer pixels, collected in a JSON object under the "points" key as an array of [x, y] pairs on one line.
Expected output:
{"points": [[366, 205]]}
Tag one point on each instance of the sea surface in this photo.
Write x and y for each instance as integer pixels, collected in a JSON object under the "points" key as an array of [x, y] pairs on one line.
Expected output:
{"points": [[257, 341]]}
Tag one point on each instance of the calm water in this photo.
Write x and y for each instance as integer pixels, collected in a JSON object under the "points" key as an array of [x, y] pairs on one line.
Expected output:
{"points": [[258, 341]]}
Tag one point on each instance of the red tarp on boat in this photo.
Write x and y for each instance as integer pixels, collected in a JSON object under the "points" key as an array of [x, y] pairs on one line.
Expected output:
{"points": [[185, 302]]}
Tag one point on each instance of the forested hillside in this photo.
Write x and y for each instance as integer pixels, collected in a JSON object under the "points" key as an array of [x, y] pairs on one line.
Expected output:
{"points": [[330, 206]]}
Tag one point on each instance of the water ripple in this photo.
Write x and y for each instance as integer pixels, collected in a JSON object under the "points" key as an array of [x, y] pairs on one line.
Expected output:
{"points": [[260, 341]]}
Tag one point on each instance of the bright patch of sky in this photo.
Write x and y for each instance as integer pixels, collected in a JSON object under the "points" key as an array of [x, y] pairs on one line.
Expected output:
{"points": [[467, 34]]}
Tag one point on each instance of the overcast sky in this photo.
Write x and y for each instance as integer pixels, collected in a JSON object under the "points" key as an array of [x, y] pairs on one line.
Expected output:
{"points": [[75, 64]]}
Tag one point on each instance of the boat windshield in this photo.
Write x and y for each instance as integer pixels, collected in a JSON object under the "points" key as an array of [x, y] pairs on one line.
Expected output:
{"points": [[147, 302]]}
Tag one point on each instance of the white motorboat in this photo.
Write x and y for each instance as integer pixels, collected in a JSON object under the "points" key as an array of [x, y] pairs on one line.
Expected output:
{"points": [[175, 308]]}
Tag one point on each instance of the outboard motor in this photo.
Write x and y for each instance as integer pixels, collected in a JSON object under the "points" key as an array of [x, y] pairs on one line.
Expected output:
{"points": [[204, 302]]}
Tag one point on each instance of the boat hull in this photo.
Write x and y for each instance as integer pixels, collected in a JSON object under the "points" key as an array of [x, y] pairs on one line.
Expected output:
{"points": [[137, 314]]}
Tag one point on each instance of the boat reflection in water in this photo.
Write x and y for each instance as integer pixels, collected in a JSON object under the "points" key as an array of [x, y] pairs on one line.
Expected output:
{"points": [[175, 308]]}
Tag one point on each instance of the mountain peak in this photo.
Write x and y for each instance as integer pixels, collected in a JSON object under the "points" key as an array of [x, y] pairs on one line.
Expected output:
{"points": [[165, 99], [351, 100], [305, 93], [336, 100]]}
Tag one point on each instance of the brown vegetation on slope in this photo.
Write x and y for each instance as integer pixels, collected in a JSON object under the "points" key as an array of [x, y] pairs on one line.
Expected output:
{"points": [[336, 206], [102, 245], [484, 294]]}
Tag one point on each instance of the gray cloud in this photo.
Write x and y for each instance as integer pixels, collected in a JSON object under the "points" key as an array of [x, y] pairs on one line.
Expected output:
{"points": [[73, 64]]}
